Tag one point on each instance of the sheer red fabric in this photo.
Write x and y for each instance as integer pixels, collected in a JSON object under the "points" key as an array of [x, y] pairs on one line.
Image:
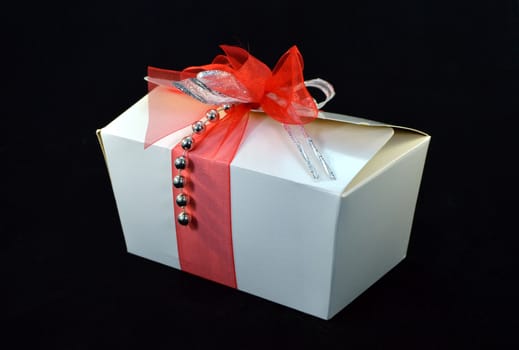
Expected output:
{"points": [[205, 246]]}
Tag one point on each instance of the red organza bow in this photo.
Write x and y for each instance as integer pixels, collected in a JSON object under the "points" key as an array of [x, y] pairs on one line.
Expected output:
{"points": [[246, 81]]}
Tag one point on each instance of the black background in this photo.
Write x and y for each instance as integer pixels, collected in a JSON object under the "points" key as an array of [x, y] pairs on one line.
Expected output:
{"points": [[447, 68]]}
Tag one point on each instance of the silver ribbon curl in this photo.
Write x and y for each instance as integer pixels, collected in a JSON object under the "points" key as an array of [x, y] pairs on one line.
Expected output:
{"points": [[206, 87], [329, 92]]}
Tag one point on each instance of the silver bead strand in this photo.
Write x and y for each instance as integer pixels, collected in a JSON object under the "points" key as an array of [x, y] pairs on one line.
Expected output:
{"points": [[181, 163], [179, 181]]}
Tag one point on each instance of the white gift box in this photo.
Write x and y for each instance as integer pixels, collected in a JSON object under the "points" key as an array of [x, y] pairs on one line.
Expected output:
{"points": [[310, 245]]}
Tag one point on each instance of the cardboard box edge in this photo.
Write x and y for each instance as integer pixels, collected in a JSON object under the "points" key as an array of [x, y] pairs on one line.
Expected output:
{"points": [[100, 141]]}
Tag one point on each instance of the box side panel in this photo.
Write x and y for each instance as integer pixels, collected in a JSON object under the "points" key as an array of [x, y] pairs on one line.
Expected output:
{"points": [[141, 181], [374, 227], [283, 240]]}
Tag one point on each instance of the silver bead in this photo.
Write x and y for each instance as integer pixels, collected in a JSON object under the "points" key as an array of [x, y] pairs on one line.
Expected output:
{"points": [[180, 163], [179, 181], [183, 218], [181, 200], [226, 107], [187, 143], [198, 127], [212, 115]]}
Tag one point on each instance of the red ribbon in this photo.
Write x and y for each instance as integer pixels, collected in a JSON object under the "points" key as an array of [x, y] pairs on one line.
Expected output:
{"points": [[205, 246]]}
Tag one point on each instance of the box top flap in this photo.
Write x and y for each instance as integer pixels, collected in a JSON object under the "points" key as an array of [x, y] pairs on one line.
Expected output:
{"points": [[362, 121], [267, 148]]}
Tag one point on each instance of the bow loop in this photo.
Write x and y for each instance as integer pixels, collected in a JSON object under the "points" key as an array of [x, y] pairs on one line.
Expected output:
{"points": [[250, 72], [286, 98]]}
